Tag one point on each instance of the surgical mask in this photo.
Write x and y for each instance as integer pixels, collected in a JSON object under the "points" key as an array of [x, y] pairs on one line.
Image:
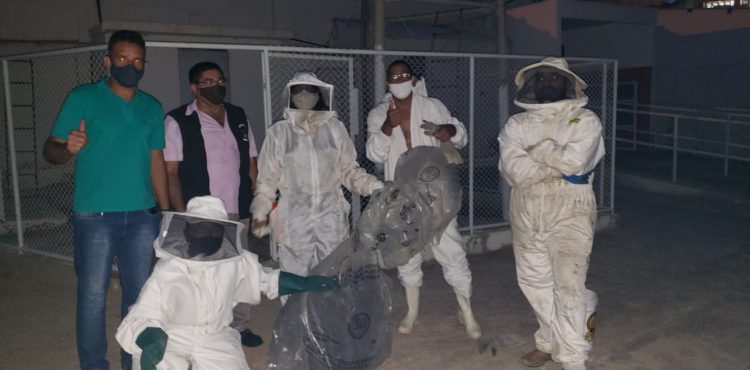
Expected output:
{"points": [[402, 90], [305, 100], [205, 245], [214, 94], [127, 76]]}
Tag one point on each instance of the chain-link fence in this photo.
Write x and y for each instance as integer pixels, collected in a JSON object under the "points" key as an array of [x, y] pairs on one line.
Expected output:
{"points": [[476, 88], [37, 87]]}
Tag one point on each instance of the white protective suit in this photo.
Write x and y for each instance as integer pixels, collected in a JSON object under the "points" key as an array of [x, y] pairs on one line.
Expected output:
{"points": [[307, 157], [191, 298], [553, 218], [387, 149], [449, 251]]}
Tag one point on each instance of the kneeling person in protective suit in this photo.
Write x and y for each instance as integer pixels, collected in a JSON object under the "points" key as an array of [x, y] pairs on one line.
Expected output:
{"points": [[182, 315]]}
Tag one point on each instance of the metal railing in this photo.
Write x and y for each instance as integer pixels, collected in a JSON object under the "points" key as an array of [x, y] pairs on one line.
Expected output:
{"points": [[685, 130]]}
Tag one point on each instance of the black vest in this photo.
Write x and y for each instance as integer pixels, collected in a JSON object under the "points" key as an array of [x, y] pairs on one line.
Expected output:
{"points": [[193, 170]]}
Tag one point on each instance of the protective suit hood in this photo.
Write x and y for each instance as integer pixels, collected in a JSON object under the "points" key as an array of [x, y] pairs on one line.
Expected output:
{"points": [[525, 81], [561, 107], [307, 118], [208, 215]]}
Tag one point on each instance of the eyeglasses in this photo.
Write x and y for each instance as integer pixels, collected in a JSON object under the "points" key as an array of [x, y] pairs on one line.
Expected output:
{"points": [[400, 76], [122, 61], [211, 82]]}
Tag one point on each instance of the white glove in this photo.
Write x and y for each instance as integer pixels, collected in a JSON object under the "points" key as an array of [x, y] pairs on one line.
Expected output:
{"points": [[428, 127], [260, 208], [375, 188], [450, 151], [260, 228]]}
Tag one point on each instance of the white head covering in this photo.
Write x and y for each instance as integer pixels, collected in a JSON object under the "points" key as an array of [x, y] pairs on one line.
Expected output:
{"points": [[208, 207], [525, 78], [309, 78], [171, 240]]}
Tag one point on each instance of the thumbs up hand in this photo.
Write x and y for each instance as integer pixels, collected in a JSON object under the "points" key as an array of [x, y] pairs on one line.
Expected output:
{"points": [[394, 114], [77, 139]]}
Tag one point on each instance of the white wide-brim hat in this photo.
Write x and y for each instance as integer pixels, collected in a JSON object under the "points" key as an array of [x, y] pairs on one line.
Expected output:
{"points": [[559, 64]]}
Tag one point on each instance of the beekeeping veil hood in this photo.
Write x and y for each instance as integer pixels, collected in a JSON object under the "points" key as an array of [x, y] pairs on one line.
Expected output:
{"points": [[303, 118], [525, 79], [203, 233]]}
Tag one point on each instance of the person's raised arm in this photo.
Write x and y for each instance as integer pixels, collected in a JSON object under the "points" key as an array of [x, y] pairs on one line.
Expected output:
{"points": [[59, 151]]}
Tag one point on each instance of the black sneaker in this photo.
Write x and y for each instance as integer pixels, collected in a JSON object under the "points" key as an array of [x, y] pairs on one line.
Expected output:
{"points": [[249, 339]]}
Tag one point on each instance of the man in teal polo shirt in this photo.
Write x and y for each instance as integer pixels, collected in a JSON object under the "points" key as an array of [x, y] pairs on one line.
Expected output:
{"points": [[116, 134]]}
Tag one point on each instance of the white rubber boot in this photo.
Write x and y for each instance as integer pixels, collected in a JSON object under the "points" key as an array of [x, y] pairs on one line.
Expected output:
{"points": [[591, 300], [466, 317], [412, 300], [574, 366]]}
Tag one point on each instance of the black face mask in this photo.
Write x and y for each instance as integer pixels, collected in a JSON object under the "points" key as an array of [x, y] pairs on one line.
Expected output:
{"points": [[127, 76], [205, 245], [215, 94]]}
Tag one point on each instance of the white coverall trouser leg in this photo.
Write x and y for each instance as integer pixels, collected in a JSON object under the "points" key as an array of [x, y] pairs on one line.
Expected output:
{"points": [[553, 228], [191, 346], [241, 312], [450, 254], [300, 261]]}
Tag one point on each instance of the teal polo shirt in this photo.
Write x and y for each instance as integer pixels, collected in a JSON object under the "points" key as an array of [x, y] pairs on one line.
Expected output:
{"points": [[113, 170]]}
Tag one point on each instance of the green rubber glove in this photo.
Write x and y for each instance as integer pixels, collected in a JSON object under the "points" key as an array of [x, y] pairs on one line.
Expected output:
{"points": [[153, 342], [291, 283]]}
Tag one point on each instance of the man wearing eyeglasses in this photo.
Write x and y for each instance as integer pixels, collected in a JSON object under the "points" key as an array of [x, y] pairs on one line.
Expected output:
{"points": [[210, 150], [405, 119], [115, 133]]}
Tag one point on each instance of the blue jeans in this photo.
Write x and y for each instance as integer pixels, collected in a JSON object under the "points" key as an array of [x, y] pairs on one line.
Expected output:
{"points": [[99, 238]]}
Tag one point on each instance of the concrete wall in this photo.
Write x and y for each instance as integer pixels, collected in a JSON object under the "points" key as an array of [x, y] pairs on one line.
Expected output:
{"points": [[31, 25], [632, 45], [534, 29], [47, 21], [598, 11], [709, 70], [701, 21]]}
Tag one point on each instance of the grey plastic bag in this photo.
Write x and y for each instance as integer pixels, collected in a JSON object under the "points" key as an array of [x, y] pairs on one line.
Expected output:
{"points": [[412, 213], [344, 329], [349, 328]]}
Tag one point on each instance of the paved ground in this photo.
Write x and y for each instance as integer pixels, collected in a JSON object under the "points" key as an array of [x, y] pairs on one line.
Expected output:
{"points": [[671, 276], [672, 280]]}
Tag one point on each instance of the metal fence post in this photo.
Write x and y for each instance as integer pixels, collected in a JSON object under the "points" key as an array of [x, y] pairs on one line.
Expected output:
{"points": [[471, 145], [613, 145], [12, 150], [268, 107], [635, 129], [726, 149], [675, 132], [604, 129]]}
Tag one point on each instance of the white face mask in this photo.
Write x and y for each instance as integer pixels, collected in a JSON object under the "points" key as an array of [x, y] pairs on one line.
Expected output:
{"points": [[402, 90], [305, 100]]}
